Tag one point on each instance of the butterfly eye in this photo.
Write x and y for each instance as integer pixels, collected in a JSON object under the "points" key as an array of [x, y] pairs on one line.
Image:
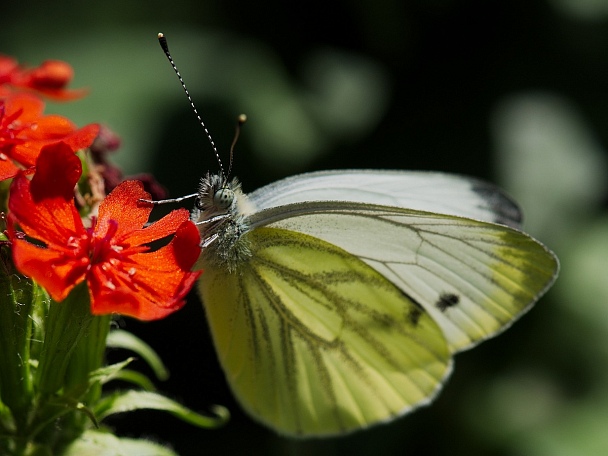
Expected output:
{"points": [[223, 198]]}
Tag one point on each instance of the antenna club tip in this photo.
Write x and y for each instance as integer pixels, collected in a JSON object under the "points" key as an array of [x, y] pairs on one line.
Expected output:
{"points": [[242, 119], [163, 44]]}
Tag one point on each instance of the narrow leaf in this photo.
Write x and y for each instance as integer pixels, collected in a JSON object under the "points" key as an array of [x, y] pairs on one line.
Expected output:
{"points": [[107, 373], [124, 339], [136, 378], [118, 372], [135, 400]]}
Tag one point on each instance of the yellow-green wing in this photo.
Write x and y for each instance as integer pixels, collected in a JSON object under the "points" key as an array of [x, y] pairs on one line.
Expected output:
{"points": [[314, 341], [472, 277]]}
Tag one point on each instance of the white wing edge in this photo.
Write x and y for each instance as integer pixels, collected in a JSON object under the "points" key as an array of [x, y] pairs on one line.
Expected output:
{"points": [[418, 190]]}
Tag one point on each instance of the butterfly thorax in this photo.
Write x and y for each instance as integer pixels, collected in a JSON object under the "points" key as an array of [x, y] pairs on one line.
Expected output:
{"points": [[220, 219]]}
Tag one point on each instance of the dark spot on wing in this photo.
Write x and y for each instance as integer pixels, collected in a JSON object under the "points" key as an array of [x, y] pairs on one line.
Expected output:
{"points": [[505, 210], [415, 310], [447, 300], [414, 315]]}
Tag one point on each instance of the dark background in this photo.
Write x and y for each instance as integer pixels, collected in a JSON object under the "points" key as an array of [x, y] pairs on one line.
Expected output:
{"points": [[510, 91]]}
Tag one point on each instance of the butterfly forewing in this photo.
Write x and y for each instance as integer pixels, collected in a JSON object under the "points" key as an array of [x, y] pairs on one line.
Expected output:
{"points": [[473, 278], [315, 342], [425, 191]]}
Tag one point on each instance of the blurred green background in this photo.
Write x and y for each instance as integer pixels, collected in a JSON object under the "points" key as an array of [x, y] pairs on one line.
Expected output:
{"points": [[515, 92]]}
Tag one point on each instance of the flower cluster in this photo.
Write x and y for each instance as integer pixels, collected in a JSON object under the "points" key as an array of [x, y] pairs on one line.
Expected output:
{"points": [[111, 255], [49, 240], [71, 258], [24, 131], [50, 79]]}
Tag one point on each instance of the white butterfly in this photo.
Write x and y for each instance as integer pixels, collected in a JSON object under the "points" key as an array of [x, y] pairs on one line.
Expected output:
{"points": [[337, 299]]}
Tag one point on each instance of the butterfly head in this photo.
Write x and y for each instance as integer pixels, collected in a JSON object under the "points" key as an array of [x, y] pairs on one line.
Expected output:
{"points": [[221, 221], [216, 196]]}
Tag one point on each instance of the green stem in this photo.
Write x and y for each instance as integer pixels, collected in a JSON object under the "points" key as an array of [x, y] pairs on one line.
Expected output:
{"points": [[74, 345], [17, 296], [87, 357], [67, 322]]}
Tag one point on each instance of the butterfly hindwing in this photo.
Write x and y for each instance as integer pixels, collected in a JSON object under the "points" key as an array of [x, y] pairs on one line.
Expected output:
{"points": [[315, 342]]}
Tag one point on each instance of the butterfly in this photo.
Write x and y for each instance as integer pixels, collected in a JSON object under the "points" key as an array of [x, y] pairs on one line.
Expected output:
{"points": [[337, 300]]}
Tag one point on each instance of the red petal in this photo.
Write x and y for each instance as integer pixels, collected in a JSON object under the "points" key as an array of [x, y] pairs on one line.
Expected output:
{"points": [[45, 211], [82, 138], [49, 268], [186, 245], [27, 153], [57, 172], [50, 79], [159, 229], [53, 221], [123, 206], [7, 169], [51, 74], [32, 107], [180, 254], [129, 304], [148, 294], [155, 283], [51, 127], [49, 215], [38, 131]]}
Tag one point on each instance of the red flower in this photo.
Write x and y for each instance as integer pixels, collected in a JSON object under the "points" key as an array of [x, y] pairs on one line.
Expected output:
{"points": [[123, 274], [49, 79], [24, 131]]}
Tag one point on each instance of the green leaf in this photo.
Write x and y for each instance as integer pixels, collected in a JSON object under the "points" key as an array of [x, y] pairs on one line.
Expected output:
{"points": [[117, 371], [107, 373], [136, 400], [136, 378], [99, 443], [124, 339]]}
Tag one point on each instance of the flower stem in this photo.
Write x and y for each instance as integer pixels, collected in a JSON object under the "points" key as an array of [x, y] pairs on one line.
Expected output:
{"points": [[67, 322], [17, 297]]}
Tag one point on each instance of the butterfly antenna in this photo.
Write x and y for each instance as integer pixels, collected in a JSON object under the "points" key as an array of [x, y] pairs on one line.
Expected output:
{"points": [[163, 44], [240, 121]]}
